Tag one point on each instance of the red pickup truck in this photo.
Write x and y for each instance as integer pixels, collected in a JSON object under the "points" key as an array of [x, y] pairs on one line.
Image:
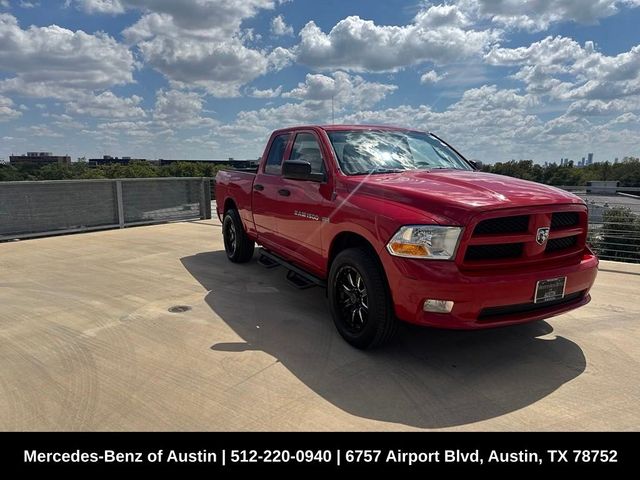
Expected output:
{"points": [[399, 225]]}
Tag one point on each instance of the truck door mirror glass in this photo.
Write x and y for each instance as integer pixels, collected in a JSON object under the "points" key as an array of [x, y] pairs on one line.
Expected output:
{"points": [[300, 170]]}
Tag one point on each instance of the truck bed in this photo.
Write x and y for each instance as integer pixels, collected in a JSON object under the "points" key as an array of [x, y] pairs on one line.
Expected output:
{"points": [[236, 184]]}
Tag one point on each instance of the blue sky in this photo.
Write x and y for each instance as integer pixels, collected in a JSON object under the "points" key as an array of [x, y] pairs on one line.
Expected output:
{"points": [[499, 79]]}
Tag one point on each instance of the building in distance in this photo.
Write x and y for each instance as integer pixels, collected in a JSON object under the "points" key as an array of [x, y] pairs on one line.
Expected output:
{"points": [[109, 160], [38, 159], [232, 162]]}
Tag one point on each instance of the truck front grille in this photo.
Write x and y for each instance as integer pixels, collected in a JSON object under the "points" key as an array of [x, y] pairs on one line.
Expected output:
{"points": [[556, 244], [564, 220], [502, 250], [513, 239], [516, 224]]}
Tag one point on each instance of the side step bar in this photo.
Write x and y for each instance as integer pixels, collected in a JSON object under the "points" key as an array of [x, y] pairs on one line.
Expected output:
{"points": [[296, 276], [267, 262]]}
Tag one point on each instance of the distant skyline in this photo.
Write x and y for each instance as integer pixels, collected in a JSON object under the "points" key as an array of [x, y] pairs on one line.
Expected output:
{"points": [[498, 79]]}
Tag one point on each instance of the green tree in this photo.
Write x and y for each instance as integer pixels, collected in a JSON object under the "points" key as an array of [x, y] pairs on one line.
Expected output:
{"points": [[8, 173], [626, 172], [619, 236], [54, 172]]}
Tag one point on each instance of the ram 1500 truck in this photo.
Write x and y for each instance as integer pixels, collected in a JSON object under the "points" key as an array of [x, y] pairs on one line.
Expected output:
{"points": [[399, 225]]}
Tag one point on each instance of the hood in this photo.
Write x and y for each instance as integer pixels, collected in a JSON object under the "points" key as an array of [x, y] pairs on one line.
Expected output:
{"points": [[455, 193]]}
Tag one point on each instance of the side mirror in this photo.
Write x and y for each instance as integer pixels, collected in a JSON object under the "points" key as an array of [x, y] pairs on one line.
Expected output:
{"points": [[300, 170], [474, 164]]}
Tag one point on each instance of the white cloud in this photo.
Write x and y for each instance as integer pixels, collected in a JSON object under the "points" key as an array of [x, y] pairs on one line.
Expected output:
{"points": [[27, 4], [279, 27], [483, 121], [220, 68], [550, 51], [181, 108], [345, 90], [280, 58], [106, 105], [436, 16], [493, 124], [7, 110], [431, 77], [626, 118], [254, 125], [64, 121], [100, 6], [251, 128], [266, 93], [595, 107], [49, 60], [223, 15], [200, 44], [40, 130], [4, 3], [142, 131], [565, 70], [438, 34], [539, 15]]}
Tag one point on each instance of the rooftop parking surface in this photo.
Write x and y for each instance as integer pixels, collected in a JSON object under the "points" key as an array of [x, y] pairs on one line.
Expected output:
{"points": [[87, 342]]}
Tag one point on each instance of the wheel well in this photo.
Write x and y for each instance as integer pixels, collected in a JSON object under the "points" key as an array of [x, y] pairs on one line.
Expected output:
{"points": [[229, 204], [345, 240]]}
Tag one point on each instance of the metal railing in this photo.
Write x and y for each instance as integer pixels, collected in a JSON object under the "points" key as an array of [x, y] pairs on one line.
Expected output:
{"points": [[32, 209], [614, 223]]}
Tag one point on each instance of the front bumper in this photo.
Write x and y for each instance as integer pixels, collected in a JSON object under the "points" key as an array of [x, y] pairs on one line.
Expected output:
{"points": [[478, 295]]}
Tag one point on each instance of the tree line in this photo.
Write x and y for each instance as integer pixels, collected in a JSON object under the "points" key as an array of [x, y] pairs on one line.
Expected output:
{"points": [[626, 172], [81, 170]]}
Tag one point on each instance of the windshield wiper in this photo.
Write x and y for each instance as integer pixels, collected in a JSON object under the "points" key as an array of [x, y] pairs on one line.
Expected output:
{"points": [[384, 170], [428, 166]]}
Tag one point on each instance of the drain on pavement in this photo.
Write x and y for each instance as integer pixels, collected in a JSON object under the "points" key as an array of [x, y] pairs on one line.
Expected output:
{"points": [[179, 308]]}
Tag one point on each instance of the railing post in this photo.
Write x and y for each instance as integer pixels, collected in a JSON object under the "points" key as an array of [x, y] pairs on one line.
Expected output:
{"points": [[120, 203], [205, 199]]}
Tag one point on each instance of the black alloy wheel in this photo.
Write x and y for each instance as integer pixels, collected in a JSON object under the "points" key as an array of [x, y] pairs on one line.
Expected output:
{"points": [[237, 244], [353, 298], [360, 300]]}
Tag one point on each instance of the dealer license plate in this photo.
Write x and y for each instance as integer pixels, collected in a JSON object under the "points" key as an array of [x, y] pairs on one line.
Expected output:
{"points": [[550, 290]]}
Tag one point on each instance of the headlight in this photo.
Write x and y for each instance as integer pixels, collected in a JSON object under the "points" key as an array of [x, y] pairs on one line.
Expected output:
{"points": [[425, 241]]}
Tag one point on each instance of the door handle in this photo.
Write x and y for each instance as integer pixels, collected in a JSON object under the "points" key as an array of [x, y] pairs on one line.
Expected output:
{"points": [[284, 192], [258, 187]]}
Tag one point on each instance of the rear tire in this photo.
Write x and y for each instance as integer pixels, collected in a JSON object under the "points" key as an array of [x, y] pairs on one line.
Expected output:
{"points": [[359, 300], [237, 244]]}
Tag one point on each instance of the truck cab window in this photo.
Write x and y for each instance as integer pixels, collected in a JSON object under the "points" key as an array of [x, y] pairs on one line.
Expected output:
{"points": [[306, 149], [276, 153]]}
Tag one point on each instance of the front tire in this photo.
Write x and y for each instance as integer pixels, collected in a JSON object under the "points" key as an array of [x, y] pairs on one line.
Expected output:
{"points": [[359, 299], [237, 244]]}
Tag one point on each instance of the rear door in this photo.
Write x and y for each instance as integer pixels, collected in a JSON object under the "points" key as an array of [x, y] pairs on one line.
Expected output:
{"points": [[305, 204], [265, 198]]}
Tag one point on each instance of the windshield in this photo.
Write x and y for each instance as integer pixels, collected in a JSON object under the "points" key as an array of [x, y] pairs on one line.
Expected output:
{"points": [[386, 151]]}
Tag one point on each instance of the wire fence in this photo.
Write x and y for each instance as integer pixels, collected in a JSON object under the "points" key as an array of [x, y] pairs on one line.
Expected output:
{"points": [[614, 222], [32, 209]]}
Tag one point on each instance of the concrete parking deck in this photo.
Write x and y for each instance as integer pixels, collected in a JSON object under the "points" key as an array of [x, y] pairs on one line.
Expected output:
{"points": [[87, 342]]}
